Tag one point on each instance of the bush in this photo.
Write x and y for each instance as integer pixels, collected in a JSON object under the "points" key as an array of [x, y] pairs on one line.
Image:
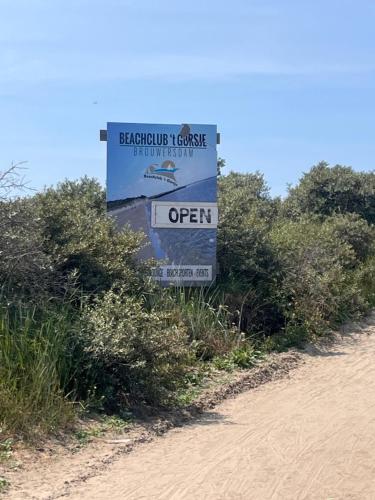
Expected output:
{"points": [[364, 280], [316, 288], [353, 230], [248, 263], [133, 354], [324, 191], [25, 270], [293, 266], [82, 241]]}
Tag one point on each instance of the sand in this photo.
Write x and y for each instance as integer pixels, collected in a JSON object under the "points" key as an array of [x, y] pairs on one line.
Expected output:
{"points": [[308, 436]]}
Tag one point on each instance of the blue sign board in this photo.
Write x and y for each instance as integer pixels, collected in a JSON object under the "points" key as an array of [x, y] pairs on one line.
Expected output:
{"points": [[161, 179]]}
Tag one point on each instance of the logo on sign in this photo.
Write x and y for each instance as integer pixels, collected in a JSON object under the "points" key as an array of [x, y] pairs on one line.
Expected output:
{"points": [[165, 172]]}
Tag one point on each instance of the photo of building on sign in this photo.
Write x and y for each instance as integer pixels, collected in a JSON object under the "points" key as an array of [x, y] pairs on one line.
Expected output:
{"points": [[161, 179]]}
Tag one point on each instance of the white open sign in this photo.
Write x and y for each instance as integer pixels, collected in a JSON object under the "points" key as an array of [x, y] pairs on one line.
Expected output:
{"points": [[184, 215]]}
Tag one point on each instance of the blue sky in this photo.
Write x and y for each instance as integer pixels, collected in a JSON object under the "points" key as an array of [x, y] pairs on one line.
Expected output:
{"points": [[288, 82]]}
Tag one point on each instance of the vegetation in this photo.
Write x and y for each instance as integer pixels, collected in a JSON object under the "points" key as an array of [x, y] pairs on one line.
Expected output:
{"points": [[35, 368], [82, 324]]}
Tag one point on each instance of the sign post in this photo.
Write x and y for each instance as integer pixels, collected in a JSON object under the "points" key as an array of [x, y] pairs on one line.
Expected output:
{"points": [[162, 180]]}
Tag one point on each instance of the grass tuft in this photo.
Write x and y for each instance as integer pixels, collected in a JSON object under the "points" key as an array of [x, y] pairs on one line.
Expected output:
{"points": [[33, 370]]}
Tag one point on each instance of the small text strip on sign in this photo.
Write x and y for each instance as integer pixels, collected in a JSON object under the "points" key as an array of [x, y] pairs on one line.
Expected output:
{"points": [[190, 215], [173, 273]]}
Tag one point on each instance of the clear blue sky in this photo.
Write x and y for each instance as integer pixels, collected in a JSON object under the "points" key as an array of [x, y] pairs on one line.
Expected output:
{"points": [[288, 82]]}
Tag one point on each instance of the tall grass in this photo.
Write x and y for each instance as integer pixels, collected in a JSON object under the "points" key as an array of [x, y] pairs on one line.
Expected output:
{"points": [[34, 369], [208, 321]]}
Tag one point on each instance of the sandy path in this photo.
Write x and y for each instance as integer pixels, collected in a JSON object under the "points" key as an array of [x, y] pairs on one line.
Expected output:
{"points": [[310, 436]]}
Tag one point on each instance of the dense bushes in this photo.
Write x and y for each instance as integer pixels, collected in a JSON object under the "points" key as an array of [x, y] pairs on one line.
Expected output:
{"points": [[82, 241], [80, 318], [296, 267], [25, 270], [325, 191], [325, 237], [314, 288], [248, 264], [133, 354]]}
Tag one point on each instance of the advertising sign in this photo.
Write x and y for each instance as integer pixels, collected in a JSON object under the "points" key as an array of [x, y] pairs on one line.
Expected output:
{"points": [[161, 179]]}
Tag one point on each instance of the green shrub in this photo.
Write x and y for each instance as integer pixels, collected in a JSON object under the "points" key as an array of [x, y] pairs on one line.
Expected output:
{"points": [[364, 279], [327, 190], [25, 270], [248, 263], [315, 289], [353, 230], [133, 354], [82, 241]]}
